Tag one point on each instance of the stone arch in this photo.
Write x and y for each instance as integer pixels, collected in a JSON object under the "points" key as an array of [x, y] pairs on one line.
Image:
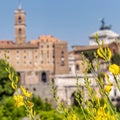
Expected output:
{"points": [[75, 98]]}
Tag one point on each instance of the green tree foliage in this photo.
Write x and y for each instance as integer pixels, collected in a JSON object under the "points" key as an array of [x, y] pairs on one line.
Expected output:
{"points": [[41, 105], [89, 54], [5, 84], [8, 111], [116, 59]]}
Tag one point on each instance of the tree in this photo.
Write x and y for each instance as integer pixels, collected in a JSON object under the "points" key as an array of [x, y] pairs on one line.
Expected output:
{"points": [[5, 83], [89, 54], [116, 59]]}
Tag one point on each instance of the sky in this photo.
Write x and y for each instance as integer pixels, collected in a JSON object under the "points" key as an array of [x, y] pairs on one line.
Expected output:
{"points": [[69, 20]]}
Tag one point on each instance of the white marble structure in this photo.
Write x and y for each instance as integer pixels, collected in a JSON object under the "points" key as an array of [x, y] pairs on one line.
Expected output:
{"points": [[66, 85], [104, 33]]}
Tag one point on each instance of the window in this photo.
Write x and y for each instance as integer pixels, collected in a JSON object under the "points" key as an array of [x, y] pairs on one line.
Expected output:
{"points": [[115, 92], [62, 61], [47, 54], [42, 56], [34, 89], [19, 20], [44, 77], [47, 46], [20, 31], [77, 67], [36, 73], [62, 53], [35, 50], [17, 51]]}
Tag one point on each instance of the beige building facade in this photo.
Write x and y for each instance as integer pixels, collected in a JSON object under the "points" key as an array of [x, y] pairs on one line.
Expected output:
{"points": [[36, 61]]}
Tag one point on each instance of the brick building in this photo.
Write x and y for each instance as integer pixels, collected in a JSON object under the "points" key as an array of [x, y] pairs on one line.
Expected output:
{"points": [[36, 61]]}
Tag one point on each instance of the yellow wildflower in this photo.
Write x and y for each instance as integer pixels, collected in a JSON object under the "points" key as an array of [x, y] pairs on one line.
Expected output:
{"points": [[14, 86], [109, 53], [107, 77], [104, 53], [74, 117], [30, 104], [115, 69], [108, 88], [25, 92], [100, 52], [18, 100]]}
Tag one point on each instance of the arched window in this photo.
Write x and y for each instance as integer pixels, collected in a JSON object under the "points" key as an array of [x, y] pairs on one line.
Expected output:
{"points": [[77, 67], [19, 20], [20, 31], [44, 77]]}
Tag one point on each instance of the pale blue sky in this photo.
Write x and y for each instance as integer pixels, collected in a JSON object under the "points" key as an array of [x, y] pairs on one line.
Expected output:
{"points": [[69, 20]]}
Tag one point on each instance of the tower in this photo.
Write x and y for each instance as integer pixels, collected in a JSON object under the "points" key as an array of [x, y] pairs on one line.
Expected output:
{"points": [[20, 26]]}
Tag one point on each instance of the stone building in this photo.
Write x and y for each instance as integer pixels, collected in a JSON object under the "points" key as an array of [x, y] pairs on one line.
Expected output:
{"points": [[66, 84], [36, 61]]}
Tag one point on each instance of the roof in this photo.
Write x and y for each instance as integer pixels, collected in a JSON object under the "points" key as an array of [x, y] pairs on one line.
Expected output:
{"points": [[45, 38], [84, 48], [7, 44]]}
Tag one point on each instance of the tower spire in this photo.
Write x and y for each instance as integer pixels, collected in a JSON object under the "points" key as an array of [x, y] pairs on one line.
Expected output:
{"points": [[19, 5]]}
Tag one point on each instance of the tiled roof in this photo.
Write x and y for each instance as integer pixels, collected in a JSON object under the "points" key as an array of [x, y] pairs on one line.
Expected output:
{"points": [[83, 48], [6, 44], [45, 38]]}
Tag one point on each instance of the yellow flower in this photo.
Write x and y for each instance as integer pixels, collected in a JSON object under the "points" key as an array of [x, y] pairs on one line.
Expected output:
{"points": [[109, 53], [104, 53], [74, 117], [25, 92], [30, 104], [14, 86], [115, 69], [108, 88], [18, 100], [100, 53]]}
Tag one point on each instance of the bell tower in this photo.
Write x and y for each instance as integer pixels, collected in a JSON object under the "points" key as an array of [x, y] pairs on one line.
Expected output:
{"points": [[20, 26]]}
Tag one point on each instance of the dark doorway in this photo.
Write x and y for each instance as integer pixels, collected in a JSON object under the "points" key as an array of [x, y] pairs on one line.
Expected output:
{"points": [[44, 77], [76, 99]]}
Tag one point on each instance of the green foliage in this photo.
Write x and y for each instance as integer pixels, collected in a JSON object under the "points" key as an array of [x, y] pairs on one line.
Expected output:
{"points": [[5, 84], [89, 54], [116, 59], [51, 115], [41, 105], [8, 111]]}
